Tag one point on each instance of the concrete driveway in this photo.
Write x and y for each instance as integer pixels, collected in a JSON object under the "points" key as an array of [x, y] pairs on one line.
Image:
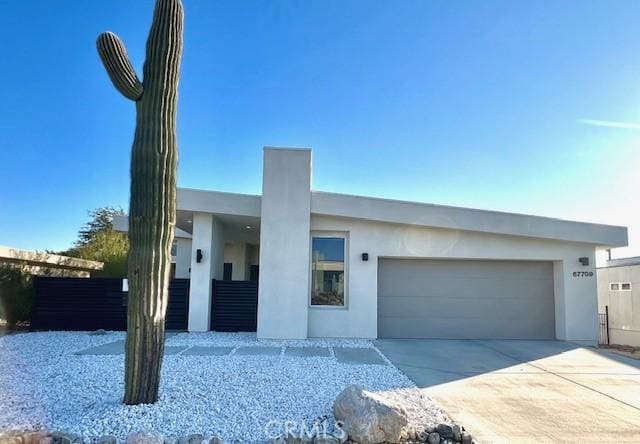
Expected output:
{"points": [[526, 391]]}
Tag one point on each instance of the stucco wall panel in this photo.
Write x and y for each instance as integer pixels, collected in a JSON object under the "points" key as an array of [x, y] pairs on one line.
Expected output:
{"points": [[575, 297]]}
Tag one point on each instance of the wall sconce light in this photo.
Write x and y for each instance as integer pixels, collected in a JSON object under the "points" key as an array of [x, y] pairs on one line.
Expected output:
{"points": [[584, 261], [365, 257], [198, 255]]}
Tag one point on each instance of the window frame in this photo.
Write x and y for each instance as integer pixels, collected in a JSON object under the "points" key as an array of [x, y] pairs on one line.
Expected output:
{"points": [[329, 235], [611, 285], [626, 289]]}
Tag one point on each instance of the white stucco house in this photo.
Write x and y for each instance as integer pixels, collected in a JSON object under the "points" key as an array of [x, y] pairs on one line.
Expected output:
{"points": [[337, 265]]}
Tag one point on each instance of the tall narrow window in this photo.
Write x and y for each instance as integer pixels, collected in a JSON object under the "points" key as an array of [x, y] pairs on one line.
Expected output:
{"points": [[327, 271]]}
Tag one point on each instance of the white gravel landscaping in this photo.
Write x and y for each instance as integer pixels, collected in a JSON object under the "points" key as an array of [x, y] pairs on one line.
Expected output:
{"points": [[43, 384]]}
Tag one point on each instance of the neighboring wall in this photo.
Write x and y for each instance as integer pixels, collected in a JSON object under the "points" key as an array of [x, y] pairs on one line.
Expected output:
{"points": [[624, 306], [575, 297]]}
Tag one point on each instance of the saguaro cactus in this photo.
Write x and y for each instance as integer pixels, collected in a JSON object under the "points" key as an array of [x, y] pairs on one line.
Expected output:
{"points": [[152, 207]]}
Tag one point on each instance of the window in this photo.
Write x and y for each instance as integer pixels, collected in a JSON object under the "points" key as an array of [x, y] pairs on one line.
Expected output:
{"points": [[327, 271], [625, 286], [614, 286]]}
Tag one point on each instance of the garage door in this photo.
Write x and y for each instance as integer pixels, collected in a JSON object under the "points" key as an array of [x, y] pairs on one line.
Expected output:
{"points": [[458, 299]]}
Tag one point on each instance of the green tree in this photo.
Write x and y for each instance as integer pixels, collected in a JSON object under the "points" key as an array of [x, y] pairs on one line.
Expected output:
{"points": [[98, 241], [16, 295], [101, 221]]}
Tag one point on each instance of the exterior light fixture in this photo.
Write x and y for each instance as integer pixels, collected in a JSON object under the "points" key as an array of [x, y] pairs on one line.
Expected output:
{"points": [[365, 257], [198, 255], [248, 227], [189, 221], [584, 261]]}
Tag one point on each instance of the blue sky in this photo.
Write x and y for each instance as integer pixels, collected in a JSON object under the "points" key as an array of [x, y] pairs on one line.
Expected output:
{"points": [[529, 107]]}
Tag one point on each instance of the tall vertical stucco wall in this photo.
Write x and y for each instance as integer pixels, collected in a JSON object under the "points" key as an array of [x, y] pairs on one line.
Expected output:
{"points": [[208, 237], [284, 244], [575, 297]]}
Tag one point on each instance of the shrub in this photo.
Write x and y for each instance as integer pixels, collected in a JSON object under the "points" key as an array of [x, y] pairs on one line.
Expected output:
{"points": [[16, 295]]}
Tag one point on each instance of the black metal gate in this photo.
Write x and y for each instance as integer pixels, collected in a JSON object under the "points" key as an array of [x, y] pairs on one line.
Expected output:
{"points": [[603, 320], [234, 305]]}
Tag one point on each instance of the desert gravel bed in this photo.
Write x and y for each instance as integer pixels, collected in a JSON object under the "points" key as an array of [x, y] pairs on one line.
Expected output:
{"points": [[43, 384], [249, 339]]}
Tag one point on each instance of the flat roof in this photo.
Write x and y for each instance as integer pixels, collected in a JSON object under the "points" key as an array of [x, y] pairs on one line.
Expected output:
{"points": [[417, 214], [623, 262]]}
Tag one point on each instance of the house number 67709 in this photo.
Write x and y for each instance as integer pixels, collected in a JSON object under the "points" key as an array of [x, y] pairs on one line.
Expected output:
{"points": [[582, 274]]}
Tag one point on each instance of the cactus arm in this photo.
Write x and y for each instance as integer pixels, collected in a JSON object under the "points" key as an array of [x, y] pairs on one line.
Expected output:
{"points": [[116, 62]]}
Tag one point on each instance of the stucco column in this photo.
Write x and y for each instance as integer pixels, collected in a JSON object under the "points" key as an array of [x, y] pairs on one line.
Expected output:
{"points": [[283, 295], [207, 237], [580, 299]]}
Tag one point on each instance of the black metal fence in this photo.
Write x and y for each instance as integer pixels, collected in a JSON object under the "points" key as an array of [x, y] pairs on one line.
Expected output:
{"points": [[95, 303], [234, 305], [603, 320]]}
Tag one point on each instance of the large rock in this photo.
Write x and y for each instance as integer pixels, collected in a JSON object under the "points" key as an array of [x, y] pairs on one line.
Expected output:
{"points": [[38, 437], [195, 438], [145, 438], [369, 418], [445, 431], [326, 438], [11, 439], [457, 433], [466, 438], [434, 438], [62, 437]]}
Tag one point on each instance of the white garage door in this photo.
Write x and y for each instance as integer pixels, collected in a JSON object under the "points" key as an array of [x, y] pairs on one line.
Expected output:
{"points": [[465, 299]]}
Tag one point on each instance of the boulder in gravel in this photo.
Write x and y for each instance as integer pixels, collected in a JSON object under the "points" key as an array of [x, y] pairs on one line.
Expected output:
{"points": [[11, 439], [298, 438], [434, 438], [466, 438], [327, 438], [107, 439], [216, 440], [195, 438], [61, 437], [457, 433], [369, 418], [445, 431], [145, 438], [38, 437]]}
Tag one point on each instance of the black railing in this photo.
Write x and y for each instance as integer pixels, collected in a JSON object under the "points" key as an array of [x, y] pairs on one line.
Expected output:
{"points": [[603, 320]]}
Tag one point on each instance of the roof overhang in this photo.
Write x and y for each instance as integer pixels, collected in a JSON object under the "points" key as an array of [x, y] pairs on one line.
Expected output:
{"points": [[37, 258], [234, 205], [456, 218]]}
